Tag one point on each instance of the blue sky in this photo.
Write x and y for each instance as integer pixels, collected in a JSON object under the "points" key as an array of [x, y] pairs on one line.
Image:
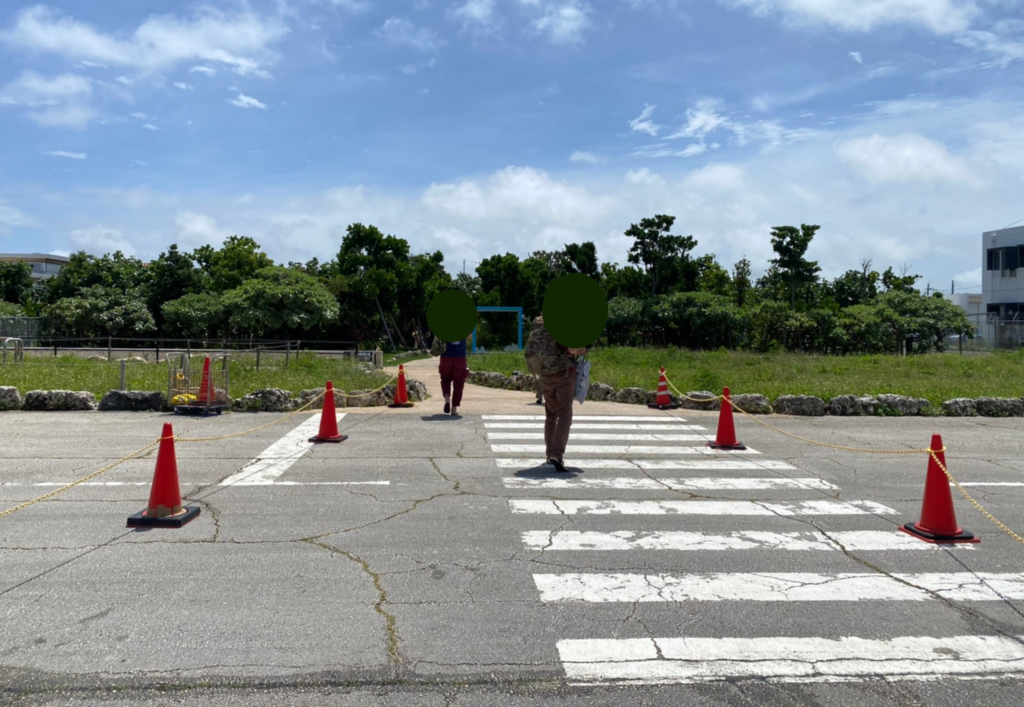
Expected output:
{"points": [[484, 126]]}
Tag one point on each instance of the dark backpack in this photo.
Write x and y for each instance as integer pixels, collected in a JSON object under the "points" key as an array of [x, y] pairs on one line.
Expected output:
{"points": [[542, 353]]}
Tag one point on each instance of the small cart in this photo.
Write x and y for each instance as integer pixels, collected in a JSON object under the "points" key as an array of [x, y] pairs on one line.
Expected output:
{"points": [[199, 390]]}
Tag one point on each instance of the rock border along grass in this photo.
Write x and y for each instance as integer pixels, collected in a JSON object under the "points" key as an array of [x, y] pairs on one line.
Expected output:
{"points": [[278, 400]]}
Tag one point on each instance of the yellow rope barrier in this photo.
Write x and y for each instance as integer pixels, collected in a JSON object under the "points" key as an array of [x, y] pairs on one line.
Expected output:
{"points": [[149, 446], [930, 451]]}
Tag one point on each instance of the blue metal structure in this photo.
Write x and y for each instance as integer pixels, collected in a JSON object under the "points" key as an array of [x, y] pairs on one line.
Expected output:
{"points": [[502, 309]]}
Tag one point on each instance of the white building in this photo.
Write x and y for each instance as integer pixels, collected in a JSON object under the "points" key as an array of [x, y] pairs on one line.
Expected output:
{"points": [[44, 265], [1001, 287]]}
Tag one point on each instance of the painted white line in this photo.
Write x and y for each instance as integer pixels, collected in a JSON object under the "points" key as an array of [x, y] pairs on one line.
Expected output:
{"points": [[650, 464], [595, 436], [601, 587], [275, 459], [709, 508], [694, 659], [615, 449], [593, 426], [84, 483], [696, 484], [573, 540], [591, 418], [988, 483], [147, 483]]}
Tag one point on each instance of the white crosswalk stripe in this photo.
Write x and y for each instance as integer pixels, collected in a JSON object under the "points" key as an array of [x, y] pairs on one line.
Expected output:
{"points": [[848, 540], [706, 508], [595, 426], [653, 464], [604, 457], [693, 659], [599, 587], [627, 450], [647, 484], [593, 436], [593, 418]]}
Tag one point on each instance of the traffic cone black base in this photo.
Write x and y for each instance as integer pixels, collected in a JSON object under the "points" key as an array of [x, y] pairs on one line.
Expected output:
{"points": [[716, 445], [141, 520], [962, 537], [670, 406], [401, 405], [339, 438]]}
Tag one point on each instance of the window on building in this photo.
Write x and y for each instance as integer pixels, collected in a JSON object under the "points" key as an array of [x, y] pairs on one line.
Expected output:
{"points": [[994, 259]]}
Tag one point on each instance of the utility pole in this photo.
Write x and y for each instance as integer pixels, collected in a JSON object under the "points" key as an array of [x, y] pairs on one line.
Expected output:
{"points": [[952, 287], [463, 266], [928, 290]]}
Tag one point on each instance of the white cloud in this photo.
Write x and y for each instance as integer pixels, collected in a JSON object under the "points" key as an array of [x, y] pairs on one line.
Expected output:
{"points": [[520, 193], [70, 155], [124, 80], [244, 101], [856, 57], [183, 86], [588, 157], [240, 41], [700, 120], [903, 158], [398, 30], [140, 115], [196, 229], [564, 24], [480, 14], [350, 5], [642, 122], [63, 99], [1003, 51], [99, 240], [209, 71], [644, 176], [659, 151], [938, 16], [150, 126], [10, 217]]}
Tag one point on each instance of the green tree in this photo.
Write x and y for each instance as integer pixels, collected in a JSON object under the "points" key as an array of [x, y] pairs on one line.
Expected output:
{"points": [[15, 282], [741, 284], [580, 258], [173, 275], [791, 246], [624, 282], [657, 249], [118, 272], [237, 261], [712, 278], [279, 301], [855, 286], [198, 315], [100, 311], [904, 282]]}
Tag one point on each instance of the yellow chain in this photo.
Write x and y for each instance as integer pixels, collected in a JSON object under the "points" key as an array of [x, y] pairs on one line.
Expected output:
{"points": [[149, 446], [53, 493], [975, 503], [932, 452]]}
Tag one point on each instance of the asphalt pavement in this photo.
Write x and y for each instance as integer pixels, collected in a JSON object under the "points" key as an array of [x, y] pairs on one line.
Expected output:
{"points": [[436, 560]]}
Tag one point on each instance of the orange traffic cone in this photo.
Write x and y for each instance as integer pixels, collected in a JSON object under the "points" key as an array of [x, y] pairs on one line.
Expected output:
{"points": [[726, 437], [205, 396], [938, 520], [328, 420], [165, 510], [663, 401], [401, 396]]}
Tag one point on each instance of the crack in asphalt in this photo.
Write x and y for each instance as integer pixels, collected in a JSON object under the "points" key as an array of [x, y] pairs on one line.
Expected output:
{"points": [[390, 621]]}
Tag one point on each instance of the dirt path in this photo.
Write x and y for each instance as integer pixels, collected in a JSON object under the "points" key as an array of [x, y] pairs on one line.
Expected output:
{"points": [[477, 400]]}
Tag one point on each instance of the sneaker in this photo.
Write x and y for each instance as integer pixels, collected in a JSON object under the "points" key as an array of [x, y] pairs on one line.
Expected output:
{"points": [[454, 410], [447, 407], [559, 466], [539, 401]]}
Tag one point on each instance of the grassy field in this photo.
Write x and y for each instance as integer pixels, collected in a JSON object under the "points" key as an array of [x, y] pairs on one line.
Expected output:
{"points": [[97, 377], [937, 377]]}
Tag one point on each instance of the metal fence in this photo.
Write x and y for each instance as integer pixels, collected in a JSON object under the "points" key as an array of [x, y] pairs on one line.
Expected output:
{"points": [[24, 328], [992, 332]]}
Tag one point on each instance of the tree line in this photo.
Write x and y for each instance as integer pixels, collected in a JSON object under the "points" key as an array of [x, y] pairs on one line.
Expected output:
{"points": [[375, 291]]}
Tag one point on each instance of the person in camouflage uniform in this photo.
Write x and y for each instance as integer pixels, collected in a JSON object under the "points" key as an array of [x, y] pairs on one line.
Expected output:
{"points": [[556, 366]]}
